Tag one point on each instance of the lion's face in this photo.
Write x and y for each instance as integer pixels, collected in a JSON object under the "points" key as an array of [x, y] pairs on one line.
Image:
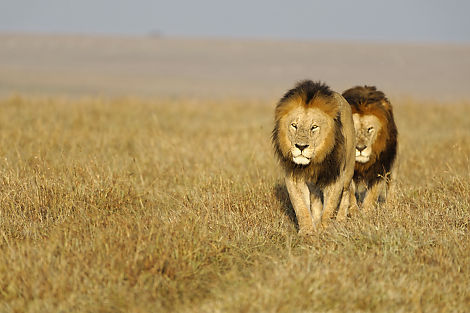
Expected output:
{"points": [[367, 127], [306, 135]]}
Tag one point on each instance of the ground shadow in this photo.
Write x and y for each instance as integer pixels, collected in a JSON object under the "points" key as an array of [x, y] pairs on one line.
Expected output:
{"points": [[280, 191]]}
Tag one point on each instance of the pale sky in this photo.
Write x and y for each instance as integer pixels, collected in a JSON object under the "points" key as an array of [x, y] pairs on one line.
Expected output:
{"points": [[375, 20]]}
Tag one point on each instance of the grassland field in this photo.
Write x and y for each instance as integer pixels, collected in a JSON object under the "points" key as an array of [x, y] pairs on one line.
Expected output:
{"points": [[178, 205]]}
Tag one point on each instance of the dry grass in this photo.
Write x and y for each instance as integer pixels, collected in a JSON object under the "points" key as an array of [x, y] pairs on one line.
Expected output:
{"points": [[177, 206]]}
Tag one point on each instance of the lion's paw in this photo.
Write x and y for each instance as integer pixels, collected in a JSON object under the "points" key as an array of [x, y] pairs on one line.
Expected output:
{"points": [[307, 232]]}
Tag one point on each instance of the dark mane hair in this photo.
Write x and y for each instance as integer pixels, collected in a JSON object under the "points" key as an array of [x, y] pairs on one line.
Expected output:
{"points": [[308, 90], [363, 96], [369, 100]]}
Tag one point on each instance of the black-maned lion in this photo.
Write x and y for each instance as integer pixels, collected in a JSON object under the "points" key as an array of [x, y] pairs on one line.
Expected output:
{"points": [[376, 143], [314, 140]]}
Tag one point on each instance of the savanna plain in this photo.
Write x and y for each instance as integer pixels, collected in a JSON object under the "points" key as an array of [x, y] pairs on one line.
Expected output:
{"points": [[120, 204]]}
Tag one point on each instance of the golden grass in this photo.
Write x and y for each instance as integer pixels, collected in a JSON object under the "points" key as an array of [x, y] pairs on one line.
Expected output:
{"points": [[177, 205]]}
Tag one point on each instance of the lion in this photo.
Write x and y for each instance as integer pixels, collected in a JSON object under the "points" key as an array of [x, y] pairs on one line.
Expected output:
{"points": [[376, 144], [314, 140]]}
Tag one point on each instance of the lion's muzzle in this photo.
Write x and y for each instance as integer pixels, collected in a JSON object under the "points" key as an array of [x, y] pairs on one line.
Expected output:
{"points": [[301, 154], [362, 153]]}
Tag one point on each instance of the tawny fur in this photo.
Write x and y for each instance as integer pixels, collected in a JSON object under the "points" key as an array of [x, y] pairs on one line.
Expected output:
{"points": [[319, 121], [376, 175]]}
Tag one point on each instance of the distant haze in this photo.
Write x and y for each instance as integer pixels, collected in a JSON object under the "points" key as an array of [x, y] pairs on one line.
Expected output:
{"points": [[399, 20], [110, 65]]}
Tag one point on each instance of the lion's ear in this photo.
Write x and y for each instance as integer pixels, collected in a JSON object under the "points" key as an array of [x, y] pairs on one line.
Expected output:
{"points": [[386, 104]]}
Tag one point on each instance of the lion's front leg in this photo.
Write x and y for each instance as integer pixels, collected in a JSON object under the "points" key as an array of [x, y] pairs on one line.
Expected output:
{"points": [[389, 190], [299, 195], [332, 197], [353, 206], [372, 195], [345, 203], [316, 207]]}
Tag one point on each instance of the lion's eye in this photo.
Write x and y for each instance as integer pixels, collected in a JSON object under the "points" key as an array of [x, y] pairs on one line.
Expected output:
{"points": [[314, 128], [294, 125], [370, 129]]}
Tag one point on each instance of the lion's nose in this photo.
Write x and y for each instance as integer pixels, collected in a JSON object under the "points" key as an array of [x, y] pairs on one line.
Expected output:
{"points": [[301, 147], [361, 147]]}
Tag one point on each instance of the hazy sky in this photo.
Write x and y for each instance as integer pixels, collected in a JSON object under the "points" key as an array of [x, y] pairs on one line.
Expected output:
{"points": [[391, 20]]}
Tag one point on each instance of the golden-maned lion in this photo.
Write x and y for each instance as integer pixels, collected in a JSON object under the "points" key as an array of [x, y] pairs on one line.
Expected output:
{"points": [[314, 139], [376, 143]]}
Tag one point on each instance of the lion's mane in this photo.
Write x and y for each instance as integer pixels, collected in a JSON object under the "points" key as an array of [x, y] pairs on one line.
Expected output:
{"points": [[312, 94]]}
